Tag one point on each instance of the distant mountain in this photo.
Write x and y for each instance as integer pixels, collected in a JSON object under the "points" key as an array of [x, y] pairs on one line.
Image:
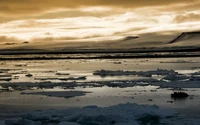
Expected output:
{"points": [[186, 36], [147, 41]]}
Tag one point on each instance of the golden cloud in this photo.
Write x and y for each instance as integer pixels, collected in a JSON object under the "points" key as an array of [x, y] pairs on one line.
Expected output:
{"points": [[31, 6], [7, 39], [187, 17]]}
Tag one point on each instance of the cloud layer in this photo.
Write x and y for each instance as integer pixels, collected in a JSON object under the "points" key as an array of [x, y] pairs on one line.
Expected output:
{"points": [[94, 20], [32, 6]]}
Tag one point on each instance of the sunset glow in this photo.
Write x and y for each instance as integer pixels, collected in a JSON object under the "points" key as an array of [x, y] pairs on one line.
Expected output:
{"points": [[99, 20]]}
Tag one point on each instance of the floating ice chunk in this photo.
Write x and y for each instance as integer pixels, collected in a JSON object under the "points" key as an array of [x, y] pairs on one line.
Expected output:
{"points": [[117, 62], [179, 95], [195, 78], [196, 73], [29, 75], [74, 78], [63, 79], [175, 77], [104, 73], [62, 73], [113, 73], [180, 61], [66, 94], [177, 84], [161, 72], [123, 84], [5, 79]]}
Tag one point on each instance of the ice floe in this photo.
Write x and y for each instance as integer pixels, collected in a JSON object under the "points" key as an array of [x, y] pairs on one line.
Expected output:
{"points": [[180, 61], [63, 78], [167, 78], [104, 73], [196, 73], [175, 77], [66, 94]]}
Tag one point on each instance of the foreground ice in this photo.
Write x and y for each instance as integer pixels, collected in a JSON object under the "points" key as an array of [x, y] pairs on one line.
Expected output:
{"points": [[122, 114]]}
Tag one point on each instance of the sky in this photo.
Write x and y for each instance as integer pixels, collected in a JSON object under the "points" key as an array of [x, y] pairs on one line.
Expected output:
{"points": [[94, 20]]}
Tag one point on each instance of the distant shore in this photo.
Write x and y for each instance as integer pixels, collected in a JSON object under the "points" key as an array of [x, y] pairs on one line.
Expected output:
{"points": [[91, 51], [174, 52], [103, 57]]}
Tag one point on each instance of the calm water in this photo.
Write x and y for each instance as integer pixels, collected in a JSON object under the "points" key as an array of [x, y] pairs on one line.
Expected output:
{"points": [[51, 71]]}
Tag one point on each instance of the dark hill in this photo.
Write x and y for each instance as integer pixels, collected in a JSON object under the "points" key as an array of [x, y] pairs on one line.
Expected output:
{"points": [[185, 36]]}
